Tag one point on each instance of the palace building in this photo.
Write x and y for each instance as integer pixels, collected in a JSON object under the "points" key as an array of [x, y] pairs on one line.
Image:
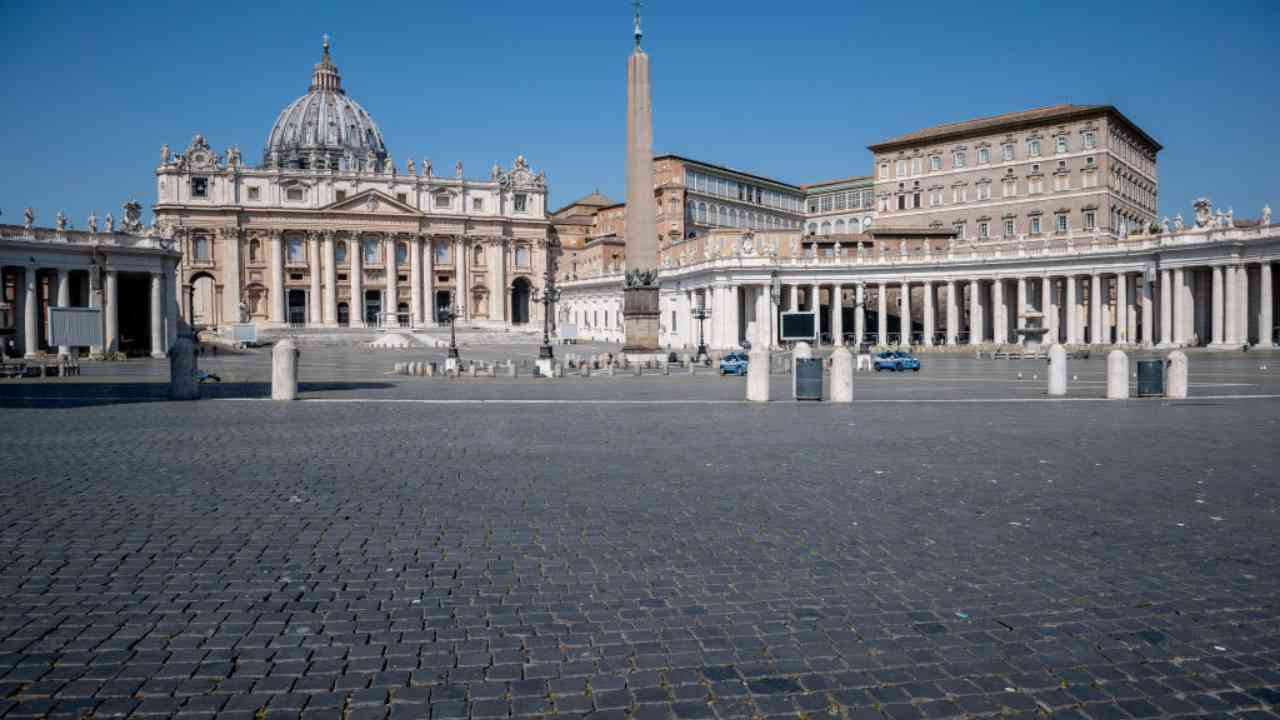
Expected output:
{"points": [[326, 231]]}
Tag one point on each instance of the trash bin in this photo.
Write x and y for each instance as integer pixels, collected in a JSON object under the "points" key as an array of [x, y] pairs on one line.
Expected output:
{"points": [[1150, 378], [808, 379]]}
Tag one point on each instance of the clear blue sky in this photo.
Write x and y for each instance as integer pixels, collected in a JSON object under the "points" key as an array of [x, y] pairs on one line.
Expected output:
{"points": [[91, 90]]}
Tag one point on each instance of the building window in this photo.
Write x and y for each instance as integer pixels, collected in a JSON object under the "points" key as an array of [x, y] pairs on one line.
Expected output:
{"points": [[402, 198], [813, 206], [342, 195], [958, 160], [293, 194], [1010, 188], [200, 248], [255, 193], [958, 228], [199, 187], [984, 156], [1009, 228], [1090, 220], [935, 163], [915, 166], [901, 168], [1062, 182], [1007, 151], [1060, 220], [1035, 185], [371, 255], [477, 204], [1061, 144], [984, 191], [902, 202], [255, 251], [297, 252], [1089, 140], [402, 253], [442, 253], [442, 200], [884, 170], [1035, 225], [340, 252], [984, 230], [1033, 148], [522, 256], [521, 202]]}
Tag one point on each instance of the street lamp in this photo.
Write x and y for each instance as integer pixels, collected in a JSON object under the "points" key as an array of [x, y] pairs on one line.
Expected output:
{"points": [[548, 296], [775, 294], [449, 314], [700, 313]]}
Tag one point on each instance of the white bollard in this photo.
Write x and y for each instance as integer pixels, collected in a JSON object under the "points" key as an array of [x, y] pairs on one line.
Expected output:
{"points": [[841, 375], [1176, 381], [802, 351], [182, 371], [1057, 370], [1117, 375], [758, 374], [284, 371]]}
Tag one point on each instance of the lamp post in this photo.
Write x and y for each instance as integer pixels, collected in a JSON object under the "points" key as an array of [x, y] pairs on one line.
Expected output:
{"points": [[449, 314], [700, 313], [549, 295], [775, 295]]}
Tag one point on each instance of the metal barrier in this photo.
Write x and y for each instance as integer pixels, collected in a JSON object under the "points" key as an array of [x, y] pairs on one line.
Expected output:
{"points": [[1150, 378]]}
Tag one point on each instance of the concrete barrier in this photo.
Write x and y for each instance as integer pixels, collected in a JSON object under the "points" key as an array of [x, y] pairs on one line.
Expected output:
{"points": [[841, 375], [182, 371], [1057, 370], [758, 375], [1117, 375], [284, 371], [865, 362], [1176, 378]]}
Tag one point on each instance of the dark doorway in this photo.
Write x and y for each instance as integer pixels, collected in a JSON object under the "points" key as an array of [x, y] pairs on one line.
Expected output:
{"points": [[344, 315], [133, 295], [519, 302], [441, 303], [372, 307], [297, 300]]}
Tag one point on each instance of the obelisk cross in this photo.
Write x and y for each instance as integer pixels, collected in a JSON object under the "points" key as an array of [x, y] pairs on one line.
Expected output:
{"points": [[636, 4]]}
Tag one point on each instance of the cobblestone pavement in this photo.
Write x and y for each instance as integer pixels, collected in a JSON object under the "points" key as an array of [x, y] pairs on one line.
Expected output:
{"points": [[406, 560]]}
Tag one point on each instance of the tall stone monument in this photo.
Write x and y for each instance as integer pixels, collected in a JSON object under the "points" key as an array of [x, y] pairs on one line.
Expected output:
{"points": [[640, 294]]}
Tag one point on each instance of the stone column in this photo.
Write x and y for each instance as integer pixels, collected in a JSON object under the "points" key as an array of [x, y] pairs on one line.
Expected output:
{"points": [[330, 318], [904, 314], [498, 270], [859, 312], [815, 306], [1095, 310], [429, 284], [837, 314], [30, 312], [315, 315], [415, 281], [953, 314], [975, 314], [1148, 312], [1122, 311], [460, 285], [63, 300], [391, 297], [277, 279], [1020, 320], [883, 316], [795, 298], [112, 308], [732, 301], [355, 308], [999, 320], [231, 282], [1242, 314], [1266, 320], [95, 300], [1048, 317], [1216, 313], [1073, 312], [1167, 295], [1178, 305], [157, 316], [928, 313]]}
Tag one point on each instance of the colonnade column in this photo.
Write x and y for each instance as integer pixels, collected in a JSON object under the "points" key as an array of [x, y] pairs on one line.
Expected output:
{"points": [[904, 314], [157, 316], [1166, 307], [30, 328], [277, 279], [95, 300], [1073, 311], [1242, 315], [1095, 309], [1020, 321], [330, 281], [112, 308], [231, 276], [815, 306], [1048, 319], [316, 315], [975, 314], [460, 278], [732, 326], [500, 281], [859, 313], [953, 314], [1179, 306], [355, 308], [64, 300], [1148, 312], [415, 281], [882, 329], [999, 316], [429, 289], [837, 314], [928, 312], [1123, 331], [1266, 320], [1186, 291], [1216, 312], [391, 299], [794, 304]]}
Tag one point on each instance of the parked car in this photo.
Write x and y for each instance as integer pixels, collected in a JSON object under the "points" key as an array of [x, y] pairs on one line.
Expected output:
{"points": [[734, 363], [897, 361]]}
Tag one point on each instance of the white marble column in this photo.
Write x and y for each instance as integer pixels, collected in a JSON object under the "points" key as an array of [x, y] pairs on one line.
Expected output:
{"points": [[1179, 303], [953, 314], [883, 316], [315, 312], [773, 317], [1166, 307], [795, 298], [1147, 301], [157, 316], [1123, 336], [415, 281], [461, 288], [975, 314], [837, 314], [63, 280], [1073, 311], [904, 313], [498, 269], [999, 319], [355, 253], [330, 318], [30, 311], [1095, 309], [390, 297], [111, 306], [1216, 312], [277, 279], [1242, 288], [429, 281], [1020, 320], [732, 302], [815, 306], [95, 300], [231, 282], [928, 312], [859, 312], [1266, 319], [1048, 318]]}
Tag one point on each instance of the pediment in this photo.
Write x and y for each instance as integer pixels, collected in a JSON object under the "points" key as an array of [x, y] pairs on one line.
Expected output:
{"points": [[373, 202]]}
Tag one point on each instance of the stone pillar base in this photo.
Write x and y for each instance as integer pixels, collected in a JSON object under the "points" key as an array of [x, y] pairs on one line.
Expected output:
{"points": [[159, 355], [640, 320]]}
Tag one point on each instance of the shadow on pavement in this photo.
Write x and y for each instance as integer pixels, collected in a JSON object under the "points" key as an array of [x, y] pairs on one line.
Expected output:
{"points": [[73, 395]]}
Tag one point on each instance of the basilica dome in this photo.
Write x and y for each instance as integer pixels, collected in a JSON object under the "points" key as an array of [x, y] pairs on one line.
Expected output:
{"points": [[325, 128]]}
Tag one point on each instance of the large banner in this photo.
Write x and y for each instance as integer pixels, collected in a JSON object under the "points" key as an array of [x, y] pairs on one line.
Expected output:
{"points": [[799, 326]]}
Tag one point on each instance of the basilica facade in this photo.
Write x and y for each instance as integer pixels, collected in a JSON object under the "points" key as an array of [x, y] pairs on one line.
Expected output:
{"points": [[326, 231]]}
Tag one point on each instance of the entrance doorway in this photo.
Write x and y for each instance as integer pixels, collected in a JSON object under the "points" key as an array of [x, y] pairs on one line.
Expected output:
{"points": [[441, 303], [202, 301], [344, 315], [372, 307], [133, 294], [297, 300], [520, 301]]}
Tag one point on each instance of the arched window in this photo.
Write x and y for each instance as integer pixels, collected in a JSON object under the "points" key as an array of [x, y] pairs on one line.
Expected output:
{"points": [[826, 227], [340, 252], [522, 256], [442, 253], [200, 248], [371, 252], [839, 227], [724, 216], [702, 212], [477, 255], [255, 251], [297, 251], [402, 253], [813, 228]]}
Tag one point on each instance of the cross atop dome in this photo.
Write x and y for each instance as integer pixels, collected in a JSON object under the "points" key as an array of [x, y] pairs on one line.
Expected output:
{"points": [[325, 76], [325, 43]]}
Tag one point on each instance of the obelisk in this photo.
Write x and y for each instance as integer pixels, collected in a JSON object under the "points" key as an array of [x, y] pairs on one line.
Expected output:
{"points": [[640, 293]]}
